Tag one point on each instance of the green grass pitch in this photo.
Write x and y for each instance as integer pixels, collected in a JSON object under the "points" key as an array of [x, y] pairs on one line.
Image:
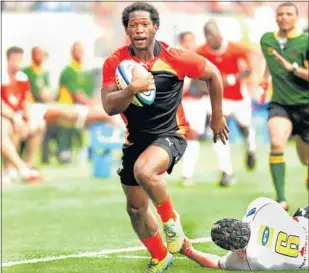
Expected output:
{"points": [[73, 214]]}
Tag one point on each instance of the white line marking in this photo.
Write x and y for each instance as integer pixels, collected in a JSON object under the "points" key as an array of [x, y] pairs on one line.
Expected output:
{"points": [[133, 257], [101, 253]]}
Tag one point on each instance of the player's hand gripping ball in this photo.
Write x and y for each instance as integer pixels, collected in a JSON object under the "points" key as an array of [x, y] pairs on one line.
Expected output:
{"points": [[130, 71]]}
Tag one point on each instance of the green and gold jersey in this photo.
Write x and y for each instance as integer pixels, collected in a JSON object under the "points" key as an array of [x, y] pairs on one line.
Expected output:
{"points": [[72, 81], [287, 88], [39, 79]]}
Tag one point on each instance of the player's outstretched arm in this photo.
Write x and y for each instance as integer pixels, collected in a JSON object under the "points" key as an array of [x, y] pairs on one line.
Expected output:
{"points": [[217, 124], [203, 259]]}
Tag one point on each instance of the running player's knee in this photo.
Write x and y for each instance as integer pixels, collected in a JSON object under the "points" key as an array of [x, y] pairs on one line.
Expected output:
{"points": [[142, 174], [277, 146], [136, 213]]}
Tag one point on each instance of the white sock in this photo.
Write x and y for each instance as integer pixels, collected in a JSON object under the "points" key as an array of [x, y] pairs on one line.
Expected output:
{"points": [[190, 158], [224, 157], [251, 141]]}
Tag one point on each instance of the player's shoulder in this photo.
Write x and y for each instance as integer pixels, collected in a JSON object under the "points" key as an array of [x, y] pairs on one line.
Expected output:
{"points": [[267, 36], [303, 38], [179, 54], [21, 76]]}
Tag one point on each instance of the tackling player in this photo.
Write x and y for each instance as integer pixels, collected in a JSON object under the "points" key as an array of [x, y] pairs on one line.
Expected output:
{"points": [[267, 238], [156, 136], [289, 106], [233, 62]]}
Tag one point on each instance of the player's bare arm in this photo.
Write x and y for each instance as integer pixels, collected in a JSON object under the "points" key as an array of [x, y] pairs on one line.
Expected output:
{"points": [[218, 123], [264, 84], [298, 71], [116, 101], [203, 259]]}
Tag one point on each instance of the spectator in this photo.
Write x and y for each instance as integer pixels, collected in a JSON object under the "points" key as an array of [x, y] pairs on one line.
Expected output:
{"points": [[41, 93], [16, 118], [72, 91]]}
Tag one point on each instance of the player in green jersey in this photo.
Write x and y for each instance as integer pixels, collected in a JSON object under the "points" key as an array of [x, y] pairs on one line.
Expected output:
{"points": [[72, 91], [39, 77], [41, 93], [289, 106]]}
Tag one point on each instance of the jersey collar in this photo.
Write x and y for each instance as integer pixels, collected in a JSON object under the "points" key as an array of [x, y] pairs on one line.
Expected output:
{"points": [[221, 50], [75, 65], [291, 35], [156, 51], [36, 69]]}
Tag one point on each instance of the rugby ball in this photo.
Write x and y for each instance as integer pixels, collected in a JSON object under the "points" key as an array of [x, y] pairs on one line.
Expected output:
{"points": [[124, 77]]}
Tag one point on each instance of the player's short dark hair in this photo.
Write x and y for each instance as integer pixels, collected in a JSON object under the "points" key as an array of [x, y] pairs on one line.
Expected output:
{"points": [[289, 4], [182, 35], [142, 6], [14, 50]]}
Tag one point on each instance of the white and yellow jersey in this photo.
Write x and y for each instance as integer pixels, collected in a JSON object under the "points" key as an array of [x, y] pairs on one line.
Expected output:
{"points": [[277, 242]]}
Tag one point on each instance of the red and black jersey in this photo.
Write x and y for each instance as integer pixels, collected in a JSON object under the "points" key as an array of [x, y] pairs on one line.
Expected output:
{"points": [[169, 67]]}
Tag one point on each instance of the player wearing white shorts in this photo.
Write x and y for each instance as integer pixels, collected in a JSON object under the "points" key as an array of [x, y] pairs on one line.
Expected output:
{"points": [[267, 238], [194, 102], [234, 64]]}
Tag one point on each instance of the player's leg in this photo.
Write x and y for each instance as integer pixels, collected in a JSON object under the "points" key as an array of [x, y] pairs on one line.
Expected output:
{"points": [[280, 129], [10, 154], [243, 116], [33, 145], [302, 146], [223, 151], [161, 155], [301, 128], [196, 111], [143, 222], [36, 128]]}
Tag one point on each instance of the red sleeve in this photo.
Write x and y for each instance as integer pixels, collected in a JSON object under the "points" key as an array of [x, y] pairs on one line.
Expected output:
{"points": [[109, 71], [189, 63]]}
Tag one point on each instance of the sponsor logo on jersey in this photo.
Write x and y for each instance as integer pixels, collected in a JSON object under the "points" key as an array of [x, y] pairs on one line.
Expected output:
{"points": [[266, 235], [251, 212]]}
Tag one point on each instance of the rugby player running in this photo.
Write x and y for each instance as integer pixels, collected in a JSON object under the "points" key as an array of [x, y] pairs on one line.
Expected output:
{"points": [[156, 133]]}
